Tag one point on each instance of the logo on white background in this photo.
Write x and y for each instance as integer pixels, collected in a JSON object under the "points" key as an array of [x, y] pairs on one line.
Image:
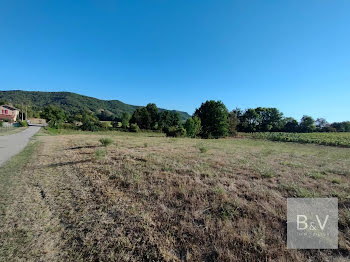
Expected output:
{"points": [[312, 223]]}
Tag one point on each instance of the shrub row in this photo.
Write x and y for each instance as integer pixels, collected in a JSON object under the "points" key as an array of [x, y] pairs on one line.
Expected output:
{"points": [[328, 139]]}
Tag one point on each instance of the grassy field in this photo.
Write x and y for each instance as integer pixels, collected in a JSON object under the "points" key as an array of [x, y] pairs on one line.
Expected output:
{"points": [[11, 130], [328, 139], [152, 198]]}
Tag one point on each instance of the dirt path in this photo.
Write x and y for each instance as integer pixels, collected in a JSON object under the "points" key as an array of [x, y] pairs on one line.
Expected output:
{"points": [[11, 145]]}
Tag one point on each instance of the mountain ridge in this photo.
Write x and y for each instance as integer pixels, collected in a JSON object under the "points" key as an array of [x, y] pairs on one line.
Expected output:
{"points": [[72, 102]]}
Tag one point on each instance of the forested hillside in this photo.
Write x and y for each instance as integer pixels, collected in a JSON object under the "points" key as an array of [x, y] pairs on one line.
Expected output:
{"points": [[70, 103]]}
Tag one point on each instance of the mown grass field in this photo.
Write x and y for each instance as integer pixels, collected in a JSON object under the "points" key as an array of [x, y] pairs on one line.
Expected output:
{"points": [[152, 198], [328, 139]]}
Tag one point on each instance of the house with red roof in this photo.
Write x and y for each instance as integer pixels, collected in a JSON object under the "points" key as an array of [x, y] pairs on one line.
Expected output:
{"points": [[8, 113]]}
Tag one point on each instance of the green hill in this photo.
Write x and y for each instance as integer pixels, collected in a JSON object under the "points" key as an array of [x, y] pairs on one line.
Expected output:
{"points": [[71, 102]]}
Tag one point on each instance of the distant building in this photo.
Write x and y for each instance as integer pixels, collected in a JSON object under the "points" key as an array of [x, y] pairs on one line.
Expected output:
{"points": [[9, 113]]}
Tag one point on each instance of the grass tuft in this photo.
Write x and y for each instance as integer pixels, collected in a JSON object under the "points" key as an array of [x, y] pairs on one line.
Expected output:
{"points": [[335, 180], [267, 174], [294, 190], [228, 210], [203, 149], [106, 141], [316, 175], [100, 153]]}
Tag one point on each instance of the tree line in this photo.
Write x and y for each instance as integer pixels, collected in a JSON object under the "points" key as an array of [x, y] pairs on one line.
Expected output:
{"points": [[211, 120], [262, 119]]}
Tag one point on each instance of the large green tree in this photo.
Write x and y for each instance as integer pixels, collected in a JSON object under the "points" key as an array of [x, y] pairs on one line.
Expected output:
{"points": [[146, 117], [54, 116], [250, 120], [89, 121], [125, 120], [214, 119], [321, 124], [233, 122], [307, 124], [270, 119], [175, 119], [290, 125], [142, 118], [164, 120], [152, 110], [169, 119]]}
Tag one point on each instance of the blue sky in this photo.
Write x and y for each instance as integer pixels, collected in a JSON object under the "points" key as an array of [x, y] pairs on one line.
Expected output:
{"points": [[291, 54]]}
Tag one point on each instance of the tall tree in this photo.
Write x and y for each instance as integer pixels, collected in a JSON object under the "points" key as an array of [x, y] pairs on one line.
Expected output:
{"points": [[290, 125], [270, 119], [152, 109], [232, 122], [175, 119], [169, 119], [193, 126], [54, 116], [214, 119], [307, 124], [125, 120], [321, 124], [250, 120], [89, 121], [146, 117], [164, 120], [142, 118]]}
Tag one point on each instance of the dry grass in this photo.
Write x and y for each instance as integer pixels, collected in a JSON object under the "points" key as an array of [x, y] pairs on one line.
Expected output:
{"points": [[163, 199], [4, 131]]}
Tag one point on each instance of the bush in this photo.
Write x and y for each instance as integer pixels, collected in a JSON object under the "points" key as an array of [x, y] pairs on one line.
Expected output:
{"points": [[52, 130], [90, 126], [134, 128], [106, 141], [105, 125], [68, 126], [89, 121], [175, 131], [125, 120], [23, 123], [116, 124], [329, 129], [0, 123], [203, 149], [327, 139]]}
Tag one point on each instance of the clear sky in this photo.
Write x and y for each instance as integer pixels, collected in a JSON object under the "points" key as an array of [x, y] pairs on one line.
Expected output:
{"points": [[290, 54]]}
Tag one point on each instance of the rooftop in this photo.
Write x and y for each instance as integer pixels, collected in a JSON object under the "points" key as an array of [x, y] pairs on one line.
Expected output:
{"points": [[9, 107]]}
